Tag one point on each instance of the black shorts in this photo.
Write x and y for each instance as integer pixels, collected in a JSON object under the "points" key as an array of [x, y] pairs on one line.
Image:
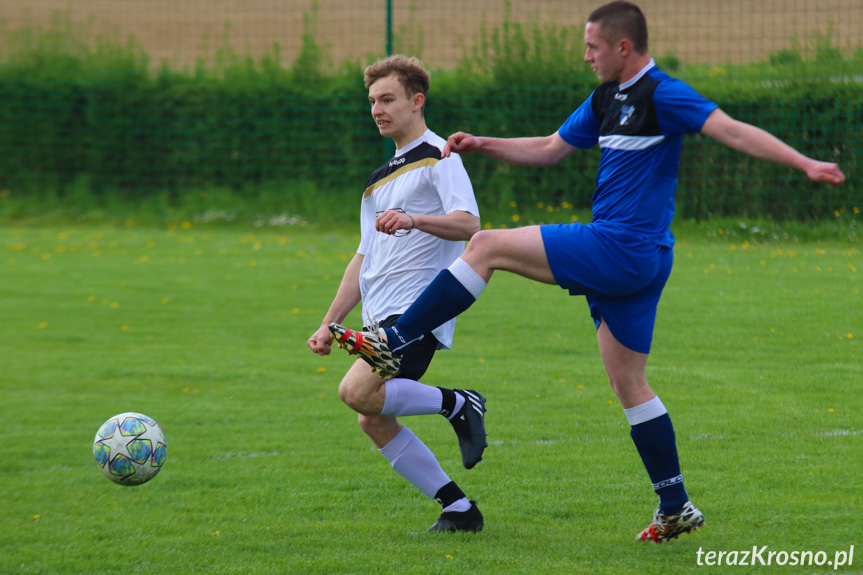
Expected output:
{"points": [[416, 360]]}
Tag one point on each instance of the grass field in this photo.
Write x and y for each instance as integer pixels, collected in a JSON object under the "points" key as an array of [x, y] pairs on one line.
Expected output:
{"points": [[757, 355]]}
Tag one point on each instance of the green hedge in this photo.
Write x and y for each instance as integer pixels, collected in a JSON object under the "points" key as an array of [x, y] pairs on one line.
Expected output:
{"points": [[101, 122]]}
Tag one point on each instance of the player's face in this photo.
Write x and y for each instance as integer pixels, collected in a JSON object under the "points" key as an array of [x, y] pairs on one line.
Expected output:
{"points": [[396, 115], [604, 58]]}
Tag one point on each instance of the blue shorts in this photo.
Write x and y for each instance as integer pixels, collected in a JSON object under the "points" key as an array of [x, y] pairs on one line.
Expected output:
{"points": [[622, 276]]}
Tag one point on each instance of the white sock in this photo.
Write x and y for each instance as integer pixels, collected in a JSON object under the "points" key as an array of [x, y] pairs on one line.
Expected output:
{"points": [[645, 412], [467, 277], [408, 397], [415, 462], [461, 505]]}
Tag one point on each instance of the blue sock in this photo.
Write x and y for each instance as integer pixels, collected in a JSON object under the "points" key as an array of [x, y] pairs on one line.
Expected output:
{"points": [[654, 439], [443, 299]]}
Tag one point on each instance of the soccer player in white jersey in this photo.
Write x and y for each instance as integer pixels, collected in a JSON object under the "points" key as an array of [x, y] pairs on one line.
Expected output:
{"points": [[622, 259], [417, 211]]}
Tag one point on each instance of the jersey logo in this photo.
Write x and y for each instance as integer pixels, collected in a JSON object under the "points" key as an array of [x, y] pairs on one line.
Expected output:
{"points": [[620, 97], [625, 114]]}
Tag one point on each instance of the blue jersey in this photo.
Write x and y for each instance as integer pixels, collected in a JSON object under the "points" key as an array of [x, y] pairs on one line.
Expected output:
{"points": [[639, 127]]}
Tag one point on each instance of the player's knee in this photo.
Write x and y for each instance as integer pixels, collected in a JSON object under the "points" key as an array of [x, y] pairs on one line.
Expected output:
{"points": [[482, 243], [357, 397]]}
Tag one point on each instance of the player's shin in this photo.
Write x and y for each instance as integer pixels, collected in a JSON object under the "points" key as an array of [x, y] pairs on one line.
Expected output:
{"points": [[448, 295], [653, 436]]}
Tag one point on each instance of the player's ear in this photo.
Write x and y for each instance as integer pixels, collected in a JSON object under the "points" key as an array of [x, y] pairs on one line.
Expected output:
{"points": [[624, 47], [419, 101]]}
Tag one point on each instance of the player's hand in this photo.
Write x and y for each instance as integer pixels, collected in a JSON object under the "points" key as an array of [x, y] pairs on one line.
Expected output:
{"points": [[391, 221], [321, 341], [460, 143], [825, 172]]}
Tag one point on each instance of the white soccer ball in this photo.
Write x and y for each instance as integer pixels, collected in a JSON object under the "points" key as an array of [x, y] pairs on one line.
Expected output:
{"points": [[130, 448]]}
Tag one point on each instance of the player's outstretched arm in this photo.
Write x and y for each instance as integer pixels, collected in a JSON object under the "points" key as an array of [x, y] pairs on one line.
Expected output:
{"points": [[760, 144], [347, 297], [540, 151]]}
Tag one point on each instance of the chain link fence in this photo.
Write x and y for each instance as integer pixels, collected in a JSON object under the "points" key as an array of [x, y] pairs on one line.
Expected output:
{"points": [[145, 97]]}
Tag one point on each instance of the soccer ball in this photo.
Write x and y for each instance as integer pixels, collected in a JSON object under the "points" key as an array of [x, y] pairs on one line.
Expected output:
{"points": [[130, 448]]}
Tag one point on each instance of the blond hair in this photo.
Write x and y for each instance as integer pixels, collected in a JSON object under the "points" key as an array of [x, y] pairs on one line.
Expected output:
{"points": [[410, 71]]}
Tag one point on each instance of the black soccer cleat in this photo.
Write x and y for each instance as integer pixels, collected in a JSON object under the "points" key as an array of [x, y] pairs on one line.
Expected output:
{"points": [[469, 521], [469, 426]]}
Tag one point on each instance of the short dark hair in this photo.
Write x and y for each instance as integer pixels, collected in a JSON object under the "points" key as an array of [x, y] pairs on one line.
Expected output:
{"points": [[619, 20], [411, 73]]}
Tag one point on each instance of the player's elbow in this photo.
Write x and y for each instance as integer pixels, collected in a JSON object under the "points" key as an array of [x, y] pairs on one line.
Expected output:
{"points": [[472, 227], [555, 150]]}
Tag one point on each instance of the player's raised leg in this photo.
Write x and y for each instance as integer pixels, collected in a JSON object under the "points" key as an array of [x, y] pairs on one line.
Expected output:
{"points": [[520, 251]]}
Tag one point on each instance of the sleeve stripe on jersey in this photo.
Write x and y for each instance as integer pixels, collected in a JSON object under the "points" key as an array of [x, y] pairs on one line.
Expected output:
{"points": [[431, 162], [629, 143]]}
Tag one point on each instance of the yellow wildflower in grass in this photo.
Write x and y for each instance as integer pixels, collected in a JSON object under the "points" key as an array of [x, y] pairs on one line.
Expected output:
{"points": [[515, 217], [186, 225]]}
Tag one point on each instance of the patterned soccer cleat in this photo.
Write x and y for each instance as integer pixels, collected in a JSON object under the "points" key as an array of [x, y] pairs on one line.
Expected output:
{"points": [[370, 346], [667, 527]]}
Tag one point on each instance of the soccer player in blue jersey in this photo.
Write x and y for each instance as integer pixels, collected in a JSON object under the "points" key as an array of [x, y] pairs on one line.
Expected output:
{"points": [[622, 259], [415, 215]]}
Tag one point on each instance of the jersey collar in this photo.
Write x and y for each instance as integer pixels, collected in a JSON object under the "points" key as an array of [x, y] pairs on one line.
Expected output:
{"points": [[414, 144], [637, 77]]}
